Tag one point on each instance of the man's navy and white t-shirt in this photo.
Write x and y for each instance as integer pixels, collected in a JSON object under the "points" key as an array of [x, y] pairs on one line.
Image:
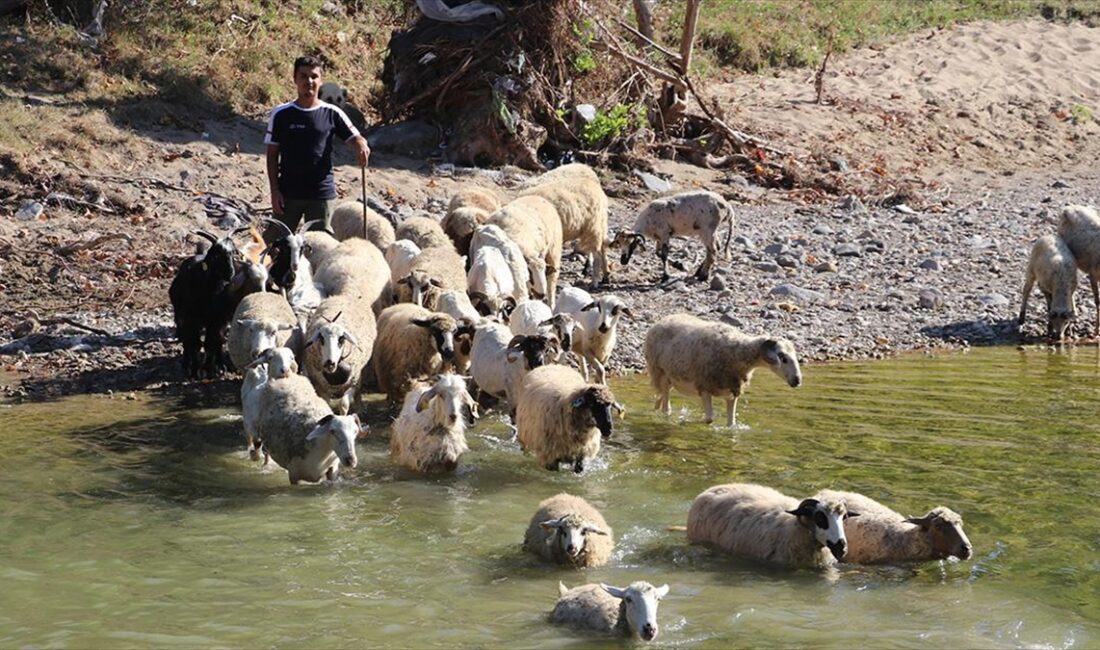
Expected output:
{"points": [[304, 137]]}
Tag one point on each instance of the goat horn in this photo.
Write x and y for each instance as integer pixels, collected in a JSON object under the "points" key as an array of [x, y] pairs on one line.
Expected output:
{"points": [[281, 224], [239, 230], [206, 235]]}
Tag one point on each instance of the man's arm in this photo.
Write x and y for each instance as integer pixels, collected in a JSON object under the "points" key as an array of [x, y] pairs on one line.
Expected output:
{"points": [[273, 178], [362, 149]]}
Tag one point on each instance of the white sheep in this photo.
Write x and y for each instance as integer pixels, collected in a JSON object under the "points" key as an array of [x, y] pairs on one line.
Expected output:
{"points": [[581, 204], [1079, 228], [499, 361], [1053, 266], [318, 246], [533, 224], [711, 359], [272, 363], [338, 346], [489, 282], [469, 208], [300, 433], [434, 270], [457, 303], [566, 529], [561, 417], [493, 236], [628, 612], [429, 435], [400, 256], [425, 232], [355, 269], [262, 320], [597, 321], [759, 523], [881, 535], [412, 342], [347, 223], [696, 214], [536, 317]]}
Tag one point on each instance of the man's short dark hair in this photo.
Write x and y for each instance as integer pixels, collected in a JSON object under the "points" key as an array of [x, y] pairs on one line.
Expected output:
{"points": [[308, 61]]}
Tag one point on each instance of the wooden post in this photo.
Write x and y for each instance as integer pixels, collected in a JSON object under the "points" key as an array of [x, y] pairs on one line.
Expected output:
{"points": [[644, 14], [687, 41]]}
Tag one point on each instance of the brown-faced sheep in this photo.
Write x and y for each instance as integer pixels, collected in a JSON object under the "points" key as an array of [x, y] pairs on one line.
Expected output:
{"points": [[628, 612], [412, 342], [1054, 268], [711, 359], [759, 523], [581, 204], [879, 535], [566, 529], [561, 417], [347, 222]]}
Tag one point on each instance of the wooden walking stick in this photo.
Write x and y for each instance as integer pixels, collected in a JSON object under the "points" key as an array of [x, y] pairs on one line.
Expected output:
{"points": [[363, 180]]}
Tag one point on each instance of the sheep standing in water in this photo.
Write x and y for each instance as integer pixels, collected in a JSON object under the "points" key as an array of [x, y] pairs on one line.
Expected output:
{"points": [[1054, 268], [566, 529], [612, 610]]}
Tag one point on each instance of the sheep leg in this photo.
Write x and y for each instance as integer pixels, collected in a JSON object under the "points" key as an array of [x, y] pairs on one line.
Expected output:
{"points": [[578, 465], [662, 252], [331, 472], [345, 401], [584, 367], [551, 284], [704, 269], [731, 411], [708, 408], [663, 386], [1095, 301], [1029, 281]]}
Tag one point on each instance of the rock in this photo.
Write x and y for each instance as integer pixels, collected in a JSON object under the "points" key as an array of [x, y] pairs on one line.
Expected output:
{"points": [[993, 300], [775, 249], [717, 283], [653, 183], [586, 112], [930, 299], [847, 250], [678, 285], [977, 242], [29, 211], [826, 267], [930, 264], [851, 203], [767, 267], [911, 219], [787, 261], [875, 246], [838, 164], [822, 230], [744, 242], [725, 295], [904, 209], [730, 319], [330, 8], [413, 139], [1060, 184], [798, 293], [737, 181]]}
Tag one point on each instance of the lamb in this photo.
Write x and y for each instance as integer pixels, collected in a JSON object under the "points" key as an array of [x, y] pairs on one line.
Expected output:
{"points": [[339, 343], [561, 417], [759, 523], [469, 208], [300, 432], [430, 434], [535, 317], [612, 610], [881, 535], [355, 269], [434, 270], [489, 281], [597, 327], [581, 204], [499, 361], [566, 529], [533, 224], [493, 236], [262, 320], [710, 359], [1053, 266], [400, 256], [696, 214], [425, 232], [347, 222], [412, 342], [1079, 228], [272, 363]]}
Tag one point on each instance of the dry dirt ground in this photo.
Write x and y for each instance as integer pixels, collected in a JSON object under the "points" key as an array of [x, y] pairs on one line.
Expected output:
{"points": [[963, 144]]}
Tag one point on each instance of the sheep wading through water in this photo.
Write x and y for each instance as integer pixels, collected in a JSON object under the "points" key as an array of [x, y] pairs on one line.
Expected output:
{"points": [[500, 360], [710, 359], [597, 321], [696, 214], [262, 320], [412, 342], [1079, 228], [759, 523], [560, 417], [1054, 268], [272, 363], [630, 611], [881, 535], [429, 436], [339, 343], [567, 530]]}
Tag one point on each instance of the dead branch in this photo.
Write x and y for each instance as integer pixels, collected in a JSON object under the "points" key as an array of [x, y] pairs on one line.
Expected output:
{"points": [[73, 323], [94, 243], [819, 78], [648, 40]]}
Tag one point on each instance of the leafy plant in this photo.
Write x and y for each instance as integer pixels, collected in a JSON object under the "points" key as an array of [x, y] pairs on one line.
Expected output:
{"points": [[611, 124], [1080, 114]]}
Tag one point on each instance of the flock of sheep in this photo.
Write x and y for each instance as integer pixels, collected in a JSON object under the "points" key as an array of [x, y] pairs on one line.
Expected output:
{"points": [[449, 317]]}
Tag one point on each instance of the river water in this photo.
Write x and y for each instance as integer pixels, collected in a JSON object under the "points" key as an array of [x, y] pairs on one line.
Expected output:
{"points": [[143, 523]]}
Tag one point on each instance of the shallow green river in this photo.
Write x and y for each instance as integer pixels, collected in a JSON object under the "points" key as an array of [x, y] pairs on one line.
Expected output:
{"points": [[142, 523]]}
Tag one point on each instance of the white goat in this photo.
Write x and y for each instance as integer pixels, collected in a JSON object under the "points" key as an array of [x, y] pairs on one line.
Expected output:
{"points": [[429, 435]]}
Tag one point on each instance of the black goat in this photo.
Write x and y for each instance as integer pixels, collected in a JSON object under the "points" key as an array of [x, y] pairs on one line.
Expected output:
{"points": [[204, 294], [286, 253]]}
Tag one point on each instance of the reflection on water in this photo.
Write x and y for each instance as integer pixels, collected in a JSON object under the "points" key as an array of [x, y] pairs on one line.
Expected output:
{"points": [[142, 523]]}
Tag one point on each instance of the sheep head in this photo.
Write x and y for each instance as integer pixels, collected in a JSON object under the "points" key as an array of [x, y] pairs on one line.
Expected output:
{"points": [[610, 309], [420, 283], [944, 528], [638, 607], [562, 325], [780, 356], [442, 328], [344, 429], [261, 334], [593, 407], [825, 519], [450, 400], [337, 344], [280, 362], [534, 349], [570, 535], [629, 241], [286, 254]]}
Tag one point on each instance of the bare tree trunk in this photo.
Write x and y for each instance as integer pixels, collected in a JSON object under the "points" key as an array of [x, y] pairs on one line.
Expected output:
{"points": [[674, 98], [687, 40], [643, 12]]}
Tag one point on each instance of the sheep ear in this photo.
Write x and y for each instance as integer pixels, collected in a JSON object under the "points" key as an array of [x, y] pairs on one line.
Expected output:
{"points": [[260, 359], [805, 509], [516, 341], [477, 295], [321, 428], [550, 524], [549, 322], [591, 305], [422, 322], [407, 280], [771, 350], [625, 311], [284, 327], [562, 589], [351, 338], [662, 591], [577, 403], [923, 522], [435, 283], [313, 339], [849, 515], [614, 591], [592, 530], [422, 403]]}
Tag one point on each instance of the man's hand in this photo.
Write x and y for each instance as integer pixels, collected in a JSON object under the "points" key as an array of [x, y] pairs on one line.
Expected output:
{"points": [[277, 203], [363, 152]]}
